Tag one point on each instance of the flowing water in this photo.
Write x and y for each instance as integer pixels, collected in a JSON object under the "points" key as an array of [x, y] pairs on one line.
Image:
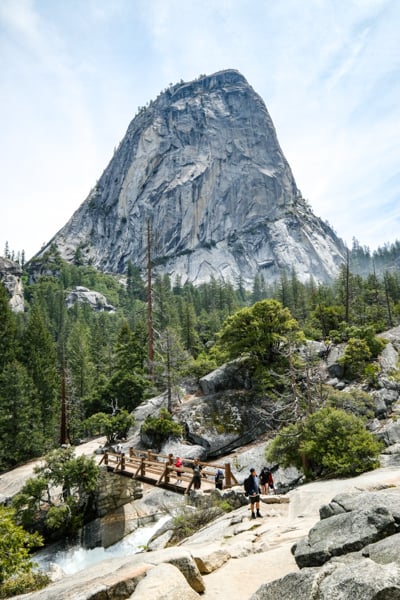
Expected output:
{"points": [[76, 558]]}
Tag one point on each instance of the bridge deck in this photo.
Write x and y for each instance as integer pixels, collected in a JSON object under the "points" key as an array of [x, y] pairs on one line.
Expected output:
{"points": [[160, 470]]}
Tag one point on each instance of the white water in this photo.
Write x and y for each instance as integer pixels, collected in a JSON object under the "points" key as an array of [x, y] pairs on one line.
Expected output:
{"points": [[76, 558]]}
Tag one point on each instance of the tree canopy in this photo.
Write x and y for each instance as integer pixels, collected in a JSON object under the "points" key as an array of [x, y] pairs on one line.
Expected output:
{"points": [[329, 442], [259, 331]]}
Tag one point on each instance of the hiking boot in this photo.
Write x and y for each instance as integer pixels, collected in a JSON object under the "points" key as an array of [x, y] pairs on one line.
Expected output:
{"points": [[253, 516], [258, 514]]}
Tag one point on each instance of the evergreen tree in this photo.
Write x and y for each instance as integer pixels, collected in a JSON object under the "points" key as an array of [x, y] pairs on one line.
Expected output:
{"points": [[39, 357], [171, 360], [20, 420], [127, 384], [259, 331], [80, 365]]}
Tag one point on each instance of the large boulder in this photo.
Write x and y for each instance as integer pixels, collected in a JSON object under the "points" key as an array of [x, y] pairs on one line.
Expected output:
{"points": [[335, 369], [223, 421], [389, 434], [388, 359], [360, 579], [118, 578], [341, 534], [348, 523], [385, 551], [233, 375], [384, 398], [368, 501], [83, 295], [164, 582]]}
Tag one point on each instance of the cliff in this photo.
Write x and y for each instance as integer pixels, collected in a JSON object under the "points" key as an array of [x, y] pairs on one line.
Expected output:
{"points": [[200, 176]]}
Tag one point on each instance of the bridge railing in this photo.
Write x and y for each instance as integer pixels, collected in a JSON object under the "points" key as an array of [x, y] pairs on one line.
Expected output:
{"points": [[161, 469]]}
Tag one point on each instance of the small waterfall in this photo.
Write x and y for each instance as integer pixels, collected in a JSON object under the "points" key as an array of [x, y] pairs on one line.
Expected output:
{"points": [[75, 558]]}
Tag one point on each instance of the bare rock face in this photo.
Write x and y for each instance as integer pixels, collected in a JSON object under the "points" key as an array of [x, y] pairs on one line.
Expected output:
{"points": [[10, 277], [201, 174], [82, 295]]}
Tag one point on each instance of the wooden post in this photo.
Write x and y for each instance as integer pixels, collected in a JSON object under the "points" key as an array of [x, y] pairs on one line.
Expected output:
{"points": [[122, 461], [143, 467], [228, 475], [106, 458]]}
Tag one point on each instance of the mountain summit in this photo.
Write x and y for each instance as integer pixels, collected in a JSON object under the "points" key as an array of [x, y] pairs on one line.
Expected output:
{"points": [[201, 174]]}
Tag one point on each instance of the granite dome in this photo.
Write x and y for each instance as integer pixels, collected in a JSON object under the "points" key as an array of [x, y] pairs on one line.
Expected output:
{"points": [[201, 167]]}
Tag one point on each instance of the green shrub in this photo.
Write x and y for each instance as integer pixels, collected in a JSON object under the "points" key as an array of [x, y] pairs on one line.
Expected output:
{"points": [[355, 357], [328, 443], [16, 564], [162, 427], [354, 401], [24, 583], [190, 520]]}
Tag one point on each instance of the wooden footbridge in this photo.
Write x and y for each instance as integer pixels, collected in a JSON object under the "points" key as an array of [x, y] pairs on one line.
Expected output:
{"points": [[160, 470]]}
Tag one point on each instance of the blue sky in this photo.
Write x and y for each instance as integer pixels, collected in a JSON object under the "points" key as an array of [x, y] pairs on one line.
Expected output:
{"points": [[74, 72]]}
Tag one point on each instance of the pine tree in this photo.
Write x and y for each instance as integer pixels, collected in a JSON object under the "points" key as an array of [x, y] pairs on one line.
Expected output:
{"points": [[40, 359], [20, 432]]}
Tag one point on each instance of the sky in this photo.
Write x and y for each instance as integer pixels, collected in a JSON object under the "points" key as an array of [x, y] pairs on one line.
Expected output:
{"points": [[74, 72]]}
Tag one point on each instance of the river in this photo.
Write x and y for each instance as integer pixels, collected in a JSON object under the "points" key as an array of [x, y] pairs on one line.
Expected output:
{"points": [[75, 558]]}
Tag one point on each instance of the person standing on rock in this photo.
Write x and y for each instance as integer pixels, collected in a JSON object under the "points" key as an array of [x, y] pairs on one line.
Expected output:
{"points": [[266, 481], [252, 489], [196, 479], [219, 479]]}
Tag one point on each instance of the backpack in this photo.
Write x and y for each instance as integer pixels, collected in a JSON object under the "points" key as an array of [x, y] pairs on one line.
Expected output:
{"points": [[247, 484], [219, 476]]}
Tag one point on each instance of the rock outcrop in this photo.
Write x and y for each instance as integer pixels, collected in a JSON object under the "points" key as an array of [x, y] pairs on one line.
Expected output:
{"points": [[356, 544], [11, 278], [83, 295], [121, 577], [200, 176]]}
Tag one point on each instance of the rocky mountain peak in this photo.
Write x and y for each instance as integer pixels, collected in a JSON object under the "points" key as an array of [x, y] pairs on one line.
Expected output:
{"points": [[202, 170]]}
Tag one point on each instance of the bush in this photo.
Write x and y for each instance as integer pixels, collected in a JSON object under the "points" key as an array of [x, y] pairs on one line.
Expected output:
{"points": [[114, 427], [38, 504], [161, 427], [24, 583], [189, 520], [16, 565], [355, 358], [354, 401], [327, 443]]}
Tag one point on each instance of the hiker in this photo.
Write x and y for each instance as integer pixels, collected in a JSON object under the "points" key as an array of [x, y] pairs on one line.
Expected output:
{"points": [[178, 464], [252, 489], [196, 479], [219, 479], [266, 481]]}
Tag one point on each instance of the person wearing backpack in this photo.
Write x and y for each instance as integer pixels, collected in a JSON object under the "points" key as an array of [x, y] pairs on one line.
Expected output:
{"points": [[252, 490], [266, 481], [219, 479], [196, 479]]}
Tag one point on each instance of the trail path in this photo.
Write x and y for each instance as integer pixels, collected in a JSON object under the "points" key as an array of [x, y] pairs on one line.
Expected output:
{"points": [[240, 577]]}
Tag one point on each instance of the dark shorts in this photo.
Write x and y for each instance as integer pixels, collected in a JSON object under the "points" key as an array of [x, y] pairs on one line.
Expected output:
{"points": [[254, 499]]}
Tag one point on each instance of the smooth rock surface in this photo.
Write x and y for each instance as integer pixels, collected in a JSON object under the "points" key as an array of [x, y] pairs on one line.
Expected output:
{"points": [[202, 168]]}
